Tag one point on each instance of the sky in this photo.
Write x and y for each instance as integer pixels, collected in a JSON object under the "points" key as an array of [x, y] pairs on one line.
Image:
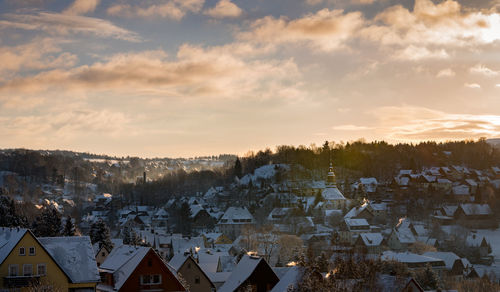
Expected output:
{"points": [[183, 78]]}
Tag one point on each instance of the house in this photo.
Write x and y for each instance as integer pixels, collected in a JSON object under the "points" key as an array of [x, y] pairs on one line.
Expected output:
{"points": [[461, 193], [251, 273], [456, 267], [371, 243], [75, 255], [362, 212], [200, 217], [400, 239], [213, 238], [160, 218], [136, 268], [351, 228], [278, 215], [290, 280], [480, 242], [187, 266], [415, 261], [235, 220], [444, 185], [475, 216], [25, 261], [101, 253]]}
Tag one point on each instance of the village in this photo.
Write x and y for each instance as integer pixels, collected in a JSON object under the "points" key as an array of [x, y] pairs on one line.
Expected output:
{"points": [[277, 235]]}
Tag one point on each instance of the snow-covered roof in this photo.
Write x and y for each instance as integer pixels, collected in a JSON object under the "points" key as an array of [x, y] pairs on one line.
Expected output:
{"points": [[74, 254], [461, 190], [122, 262], [404, 235], [243, 270], [181, 244], [355, 211], [178, 260], [371, 239], [474, 240], [407, 257], [195, 209], [449, 210], [9, 237], [476, 209], [237, 215], [402, 181], [449, 258], [356, 222], [332, 193], [443, 181], [290, 280]]}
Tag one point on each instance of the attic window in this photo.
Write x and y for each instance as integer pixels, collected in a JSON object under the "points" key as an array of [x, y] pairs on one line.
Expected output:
{"points": [[197, 280], [22, 251], [32, 251], [150, 262]]}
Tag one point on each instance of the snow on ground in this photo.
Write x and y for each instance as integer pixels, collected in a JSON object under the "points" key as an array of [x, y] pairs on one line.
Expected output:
{"points": [[264, 172], [493, 238]]}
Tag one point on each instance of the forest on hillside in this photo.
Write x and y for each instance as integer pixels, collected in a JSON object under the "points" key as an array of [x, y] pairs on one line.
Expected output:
{"points": [[352, 160]]}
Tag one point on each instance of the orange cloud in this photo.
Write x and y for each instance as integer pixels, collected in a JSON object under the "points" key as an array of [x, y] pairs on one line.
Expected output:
{"points": [[63, 24], [173, 9], [326, 29], [80, 7], [195, 72], [224, 9], [409, 124]]}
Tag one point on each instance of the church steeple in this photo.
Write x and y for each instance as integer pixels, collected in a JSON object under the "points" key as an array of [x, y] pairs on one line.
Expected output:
{"points": [[331, 180]]}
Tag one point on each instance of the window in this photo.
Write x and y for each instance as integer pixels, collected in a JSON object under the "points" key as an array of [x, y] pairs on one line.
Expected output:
{"points": [[27, 270], [150, 262], [197, 279], [150, 279], [22, 251], [32, 251], [146, 279], [13, 270], [41, 269], [103, 254], [156, 279]]}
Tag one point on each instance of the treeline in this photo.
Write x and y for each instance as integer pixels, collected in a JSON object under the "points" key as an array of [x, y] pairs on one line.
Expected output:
{"points": [[379, 159]]}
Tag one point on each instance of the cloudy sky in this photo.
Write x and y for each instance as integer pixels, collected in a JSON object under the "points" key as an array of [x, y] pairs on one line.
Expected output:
{"points": [[196, 77]]}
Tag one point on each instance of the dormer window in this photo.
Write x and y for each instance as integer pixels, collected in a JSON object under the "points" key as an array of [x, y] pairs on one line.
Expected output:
{"points": [[22, 251]]}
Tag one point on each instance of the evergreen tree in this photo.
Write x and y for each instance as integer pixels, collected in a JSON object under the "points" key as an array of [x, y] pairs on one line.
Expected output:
{"points": [[130, 237], [8, 215], [184, 219], [69, 227], [48, 224], [99, 233], [238, 168], [428, 278]]}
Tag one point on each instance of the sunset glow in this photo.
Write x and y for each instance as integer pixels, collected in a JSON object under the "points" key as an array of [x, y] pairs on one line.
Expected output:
{"points": [[201, 77]]}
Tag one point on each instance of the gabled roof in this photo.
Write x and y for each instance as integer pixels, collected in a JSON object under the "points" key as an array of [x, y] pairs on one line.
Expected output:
{"points": [[291, 278], [122, 262], [234, 215], [407, 257], [449, 258], [476, 209], [9, 237], [356, 222], [74, 254], [371, 239], [242, 272], [178, 261]]}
